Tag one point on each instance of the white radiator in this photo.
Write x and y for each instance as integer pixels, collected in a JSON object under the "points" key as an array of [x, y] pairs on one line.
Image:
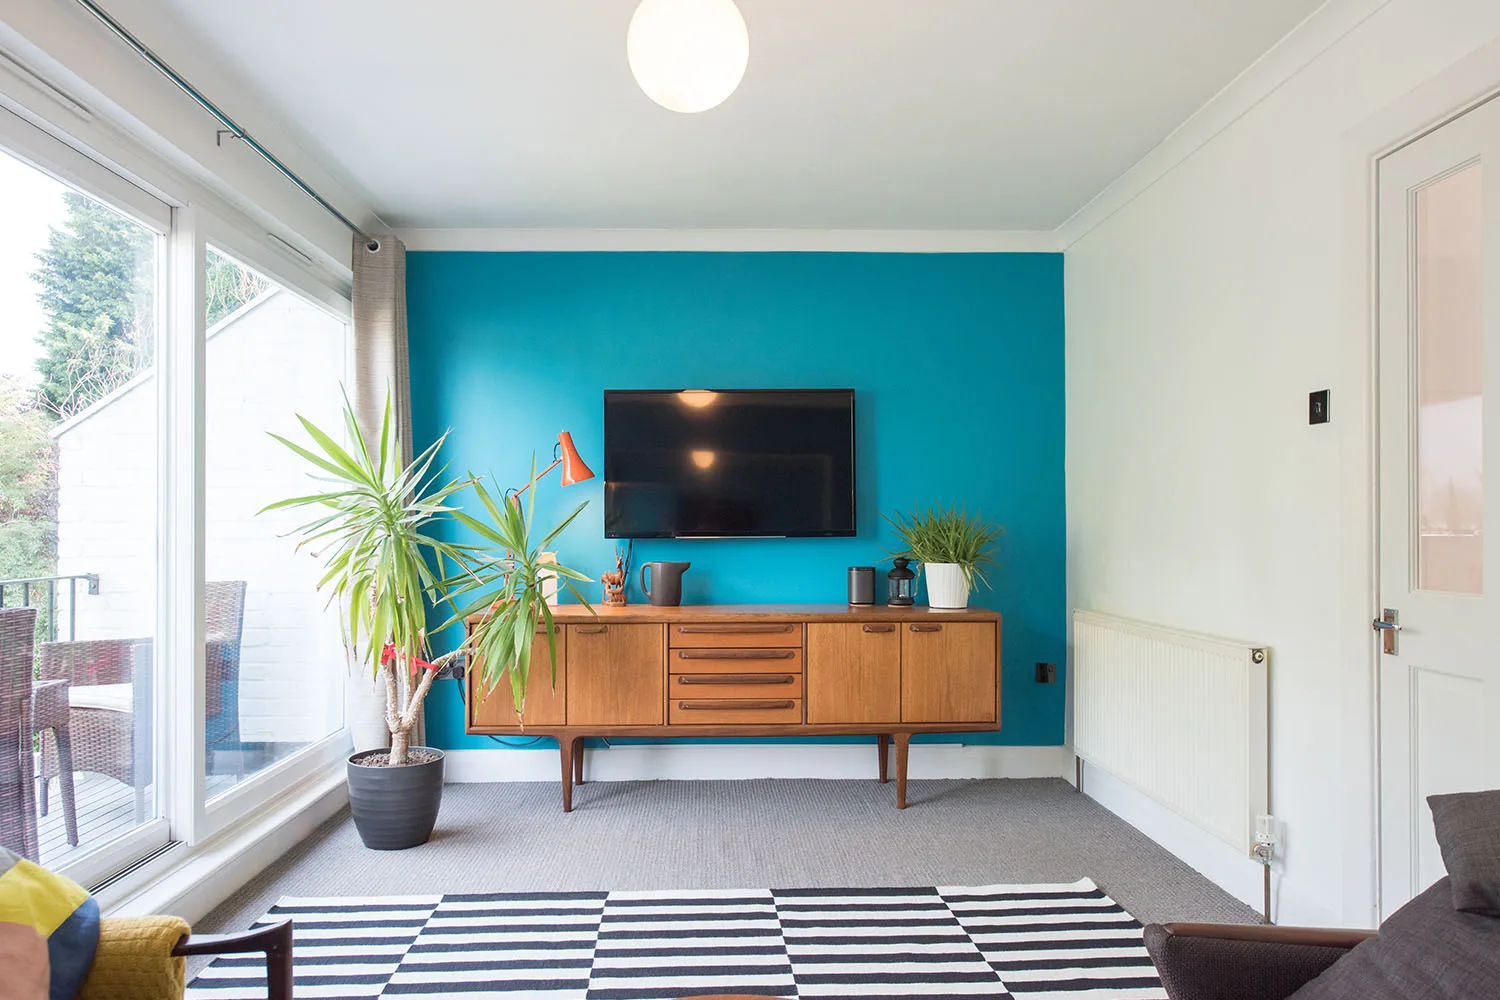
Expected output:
{"points": [[1180, 716]]}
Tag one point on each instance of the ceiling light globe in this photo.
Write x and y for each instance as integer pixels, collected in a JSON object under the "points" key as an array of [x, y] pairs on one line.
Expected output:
{"points": [[688, 55]]}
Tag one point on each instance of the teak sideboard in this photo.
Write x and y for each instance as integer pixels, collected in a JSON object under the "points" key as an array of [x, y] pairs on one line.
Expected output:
{"points": [[752, 670]]}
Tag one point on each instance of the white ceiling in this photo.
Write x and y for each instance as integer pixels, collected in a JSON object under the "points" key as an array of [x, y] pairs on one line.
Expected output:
{"points": [[853, 114]]}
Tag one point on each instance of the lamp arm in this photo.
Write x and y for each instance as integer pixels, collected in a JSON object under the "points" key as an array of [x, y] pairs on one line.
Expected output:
{"points": [[516, 493], [556, 461]]}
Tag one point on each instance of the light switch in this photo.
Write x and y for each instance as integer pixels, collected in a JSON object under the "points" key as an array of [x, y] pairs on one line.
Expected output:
{"points": [[1317, 407]]}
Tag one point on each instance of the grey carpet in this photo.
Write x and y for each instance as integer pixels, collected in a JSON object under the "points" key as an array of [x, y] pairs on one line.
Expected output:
{"points": [[748, 834]]}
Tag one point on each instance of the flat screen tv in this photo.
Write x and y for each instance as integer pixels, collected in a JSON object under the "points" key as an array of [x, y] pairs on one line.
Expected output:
{"points": [[735, 463]]}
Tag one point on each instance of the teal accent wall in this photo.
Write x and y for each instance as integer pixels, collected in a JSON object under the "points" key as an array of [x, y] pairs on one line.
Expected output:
{"points": [[957, 365]]}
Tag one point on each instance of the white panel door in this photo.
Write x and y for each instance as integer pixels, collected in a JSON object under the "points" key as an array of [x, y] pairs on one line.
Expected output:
{"points": [[1439, 392]]}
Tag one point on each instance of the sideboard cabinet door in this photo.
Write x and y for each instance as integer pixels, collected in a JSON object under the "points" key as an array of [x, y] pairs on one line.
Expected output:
{"points": [[948, 672], [545, 705], [853, 673], [616, 675]]}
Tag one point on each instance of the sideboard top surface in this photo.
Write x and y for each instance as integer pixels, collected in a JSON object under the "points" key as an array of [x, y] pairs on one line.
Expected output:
{"points": [[646, 613]]}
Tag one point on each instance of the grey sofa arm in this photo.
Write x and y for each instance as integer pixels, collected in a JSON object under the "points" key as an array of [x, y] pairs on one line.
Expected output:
{"points": [[1243, 961]]}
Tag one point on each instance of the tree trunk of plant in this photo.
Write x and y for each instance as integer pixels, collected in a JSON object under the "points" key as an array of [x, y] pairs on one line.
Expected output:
{"points": [[399, 743]]}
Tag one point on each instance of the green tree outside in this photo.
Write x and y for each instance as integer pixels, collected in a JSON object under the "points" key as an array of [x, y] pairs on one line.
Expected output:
{"points": [[98, 282], [28, 486], [97, 278], [97, 285], [228, 285]]}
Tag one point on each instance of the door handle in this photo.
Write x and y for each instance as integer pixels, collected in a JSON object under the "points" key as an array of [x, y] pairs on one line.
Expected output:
{"points": [[926, 628], [879, 628], [1388, 624], [591, 629]]}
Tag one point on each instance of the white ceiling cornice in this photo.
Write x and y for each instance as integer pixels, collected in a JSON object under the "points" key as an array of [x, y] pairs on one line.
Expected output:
{"points": [[709, 240], [1319, 32]]}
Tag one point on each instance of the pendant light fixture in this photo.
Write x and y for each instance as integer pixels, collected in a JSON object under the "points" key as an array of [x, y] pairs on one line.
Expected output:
{"points": [[688, 55]]}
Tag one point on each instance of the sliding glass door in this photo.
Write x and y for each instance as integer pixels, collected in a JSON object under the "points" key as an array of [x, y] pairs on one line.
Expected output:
{"points": [[80, 297], [273, 654], [167, 666]]}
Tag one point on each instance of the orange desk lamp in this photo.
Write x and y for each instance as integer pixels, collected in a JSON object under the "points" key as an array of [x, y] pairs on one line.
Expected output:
{"points": [[574, 469]]}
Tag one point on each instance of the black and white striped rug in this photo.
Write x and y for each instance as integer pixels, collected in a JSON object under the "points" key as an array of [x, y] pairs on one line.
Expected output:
{"points": [[963, 943]]}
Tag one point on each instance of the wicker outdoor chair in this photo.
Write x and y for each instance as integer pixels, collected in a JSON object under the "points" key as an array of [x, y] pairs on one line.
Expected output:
{"points": [[29, 707], [224, 628], [111, 695], [110, 689]]}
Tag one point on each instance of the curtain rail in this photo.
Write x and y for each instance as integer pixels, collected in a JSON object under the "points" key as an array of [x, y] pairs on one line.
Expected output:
{"points": [[229, 124]]}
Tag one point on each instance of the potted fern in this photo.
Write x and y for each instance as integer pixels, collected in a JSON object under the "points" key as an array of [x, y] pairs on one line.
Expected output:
{"points": [[952, 547], [376, 530]]}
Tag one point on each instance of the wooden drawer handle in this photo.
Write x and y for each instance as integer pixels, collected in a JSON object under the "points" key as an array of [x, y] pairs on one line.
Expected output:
{"points": [[926, 628], [734, 629], [591, 629], [737, 654], [880, 628], [734, 705], [737, 679]]}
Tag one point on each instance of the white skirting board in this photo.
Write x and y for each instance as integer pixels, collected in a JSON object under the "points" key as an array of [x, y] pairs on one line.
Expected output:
{"points": [[1206, 854], [683, 761]]}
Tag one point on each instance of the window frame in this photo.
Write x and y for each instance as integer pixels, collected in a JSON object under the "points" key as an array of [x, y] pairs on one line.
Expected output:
{"points": [[264, 786], [184, 229]]}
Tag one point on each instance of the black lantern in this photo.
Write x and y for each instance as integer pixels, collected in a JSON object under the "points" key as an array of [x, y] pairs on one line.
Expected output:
{"points": [[902, 584]]}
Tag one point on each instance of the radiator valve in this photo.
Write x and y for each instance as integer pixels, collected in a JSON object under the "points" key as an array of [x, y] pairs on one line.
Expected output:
{"points": [[1264, 848]]}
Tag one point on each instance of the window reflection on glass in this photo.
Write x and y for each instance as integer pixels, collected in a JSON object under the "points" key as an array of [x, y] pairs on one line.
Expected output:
{"points": [[273, 654], [1450, 419], [78, 514]]}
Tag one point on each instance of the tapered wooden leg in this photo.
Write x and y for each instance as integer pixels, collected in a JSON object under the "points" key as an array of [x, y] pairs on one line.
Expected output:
{"points": [[903, 744], [883, 743], [578, 761], [565, 751]]}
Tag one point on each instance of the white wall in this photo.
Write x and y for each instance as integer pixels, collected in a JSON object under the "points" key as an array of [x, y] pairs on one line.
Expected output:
{"points": [[1199, 316], [276, 356]]}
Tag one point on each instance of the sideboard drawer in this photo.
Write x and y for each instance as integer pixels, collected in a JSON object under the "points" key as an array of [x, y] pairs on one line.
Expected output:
{"points": [[744, 685], [700, 660], [712, 634], [734, 711]]}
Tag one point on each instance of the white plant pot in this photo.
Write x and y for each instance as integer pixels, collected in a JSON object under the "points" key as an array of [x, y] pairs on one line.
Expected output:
{"points": [[947, 587]]}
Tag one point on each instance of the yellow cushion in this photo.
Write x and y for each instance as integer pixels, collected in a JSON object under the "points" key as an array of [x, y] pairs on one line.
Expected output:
{"points": [[60, 912], [134, 960], [31, 895]]}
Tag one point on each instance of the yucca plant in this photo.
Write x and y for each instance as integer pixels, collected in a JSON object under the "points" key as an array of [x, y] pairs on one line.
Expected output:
{"points": [[509, 577], [947, 535], [385, 565]]}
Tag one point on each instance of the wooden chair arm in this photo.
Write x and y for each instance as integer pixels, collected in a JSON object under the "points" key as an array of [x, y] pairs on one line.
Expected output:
{"points": [[1316, 937], [275, 940]]}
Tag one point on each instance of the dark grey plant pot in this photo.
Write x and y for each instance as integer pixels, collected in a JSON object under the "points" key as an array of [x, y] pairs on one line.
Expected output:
{"points": [[395, 807]]}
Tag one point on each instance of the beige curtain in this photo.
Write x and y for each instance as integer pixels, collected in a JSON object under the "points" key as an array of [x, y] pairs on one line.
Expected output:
{"points": [[380, 361]]}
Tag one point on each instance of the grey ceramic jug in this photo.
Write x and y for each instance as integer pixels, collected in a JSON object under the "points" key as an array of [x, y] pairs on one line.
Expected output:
{"points": [[665, 588]]}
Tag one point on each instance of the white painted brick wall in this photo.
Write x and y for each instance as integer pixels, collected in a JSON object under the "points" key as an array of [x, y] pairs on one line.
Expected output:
{"points": [[278, 357]]}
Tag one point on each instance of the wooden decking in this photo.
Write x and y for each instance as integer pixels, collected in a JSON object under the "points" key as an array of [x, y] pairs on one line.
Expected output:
{"points": [[106, 809]]}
